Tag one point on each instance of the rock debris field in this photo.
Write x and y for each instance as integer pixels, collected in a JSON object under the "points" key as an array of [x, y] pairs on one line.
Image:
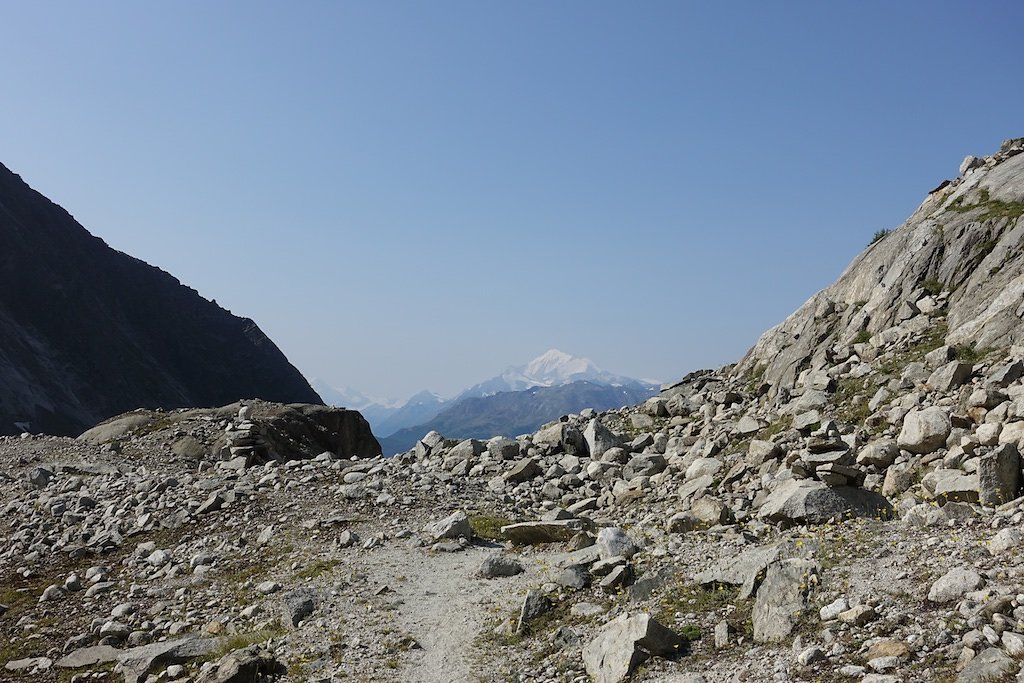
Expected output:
{"points": [[844, 504]]}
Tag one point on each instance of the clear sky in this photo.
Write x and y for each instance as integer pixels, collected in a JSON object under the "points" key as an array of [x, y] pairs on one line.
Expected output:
{"points": [[410, 195]]}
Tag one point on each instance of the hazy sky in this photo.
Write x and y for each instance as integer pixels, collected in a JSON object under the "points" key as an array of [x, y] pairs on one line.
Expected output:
{"points": [[410, 195]]}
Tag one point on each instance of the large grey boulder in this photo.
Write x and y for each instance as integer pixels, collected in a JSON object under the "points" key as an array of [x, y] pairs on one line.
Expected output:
{"points": [[523, 470], [599, 438], [925, 431], [615, 542], [950, 485], [810, 502], [881, 453], [953, 584], [782, 598], [747, 569], [999, 475], [991, 665], [626, 642], [88, 656], [950, 376], [138, 662], [244, 666]]}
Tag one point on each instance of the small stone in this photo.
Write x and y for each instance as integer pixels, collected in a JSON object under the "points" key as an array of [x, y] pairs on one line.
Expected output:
{"points": [[453, 526], [499, 566], [859, 615]]}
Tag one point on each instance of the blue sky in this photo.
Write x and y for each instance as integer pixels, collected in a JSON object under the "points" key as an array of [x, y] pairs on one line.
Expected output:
{"points": [[410, 195]]}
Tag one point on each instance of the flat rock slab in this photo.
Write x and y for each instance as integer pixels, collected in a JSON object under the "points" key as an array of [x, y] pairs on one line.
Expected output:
{"points": [[747, 568], [991, 665], [810, 502], [782, 598], [88, 656], [138, 662]]}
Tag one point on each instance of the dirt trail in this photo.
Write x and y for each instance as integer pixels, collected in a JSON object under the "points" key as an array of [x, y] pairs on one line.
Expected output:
{"points": [[443, 604]]}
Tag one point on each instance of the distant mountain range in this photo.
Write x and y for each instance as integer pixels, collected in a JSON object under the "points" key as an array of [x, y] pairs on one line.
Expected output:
{"points": [[519, 400], [516, 412]]}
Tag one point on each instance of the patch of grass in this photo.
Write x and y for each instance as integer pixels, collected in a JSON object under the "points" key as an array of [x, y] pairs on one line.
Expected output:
{"points": [[316, 568], [777, 427], [238, 641], [863, 337], [488, 526], [692, 597], [969, 353], [990, 208], [847, 409], [755, 377], [879, 235]]}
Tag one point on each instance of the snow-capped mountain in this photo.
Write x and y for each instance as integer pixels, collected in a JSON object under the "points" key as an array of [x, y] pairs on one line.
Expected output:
{"points": [[553, 368], [550, 369]]}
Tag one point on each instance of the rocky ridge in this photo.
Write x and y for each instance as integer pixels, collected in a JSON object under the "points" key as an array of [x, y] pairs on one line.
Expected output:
{"points": [[860, 519]]}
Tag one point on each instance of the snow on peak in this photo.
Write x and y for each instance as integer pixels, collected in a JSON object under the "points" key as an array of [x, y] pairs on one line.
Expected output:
{"points": [[554, 367]]}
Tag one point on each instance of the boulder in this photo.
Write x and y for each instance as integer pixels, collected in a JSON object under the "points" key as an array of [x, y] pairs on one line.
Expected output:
{"points": [[523, 470], [500, 565], [531, 533], [880, 453], [244, 666], [455, 525], [999, 475], [811, 502], [782, 598], [950, 376], [626, 642], [599, 438], [954, 584], [950, 485], [615, 542], [991, 665], [925, 431]]}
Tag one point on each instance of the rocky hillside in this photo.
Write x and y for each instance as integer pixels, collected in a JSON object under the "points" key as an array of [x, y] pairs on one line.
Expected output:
{"points": [[965, 243], [87, 332], [855, 519]]}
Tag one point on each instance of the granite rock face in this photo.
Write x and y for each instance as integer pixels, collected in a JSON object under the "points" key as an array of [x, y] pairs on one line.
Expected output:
{"points": [[962, 240]]}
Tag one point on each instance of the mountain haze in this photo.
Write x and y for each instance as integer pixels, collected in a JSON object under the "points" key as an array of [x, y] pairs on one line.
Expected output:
{"points": [[511, 413], [87, 332]]}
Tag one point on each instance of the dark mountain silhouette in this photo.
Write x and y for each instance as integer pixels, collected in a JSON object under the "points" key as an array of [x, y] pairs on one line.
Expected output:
{"points": [[87, 332]]}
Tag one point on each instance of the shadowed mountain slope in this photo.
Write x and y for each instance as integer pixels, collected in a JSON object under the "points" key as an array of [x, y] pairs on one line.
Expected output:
{"points": [[87, 332]]}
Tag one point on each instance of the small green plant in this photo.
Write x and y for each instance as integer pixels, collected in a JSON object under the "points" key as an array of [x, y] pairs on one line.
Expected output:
{"points": [[985, 248], [242, 640], [863, 337], [880, 235], [969, 353], [690, 631], [932, 285]]}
